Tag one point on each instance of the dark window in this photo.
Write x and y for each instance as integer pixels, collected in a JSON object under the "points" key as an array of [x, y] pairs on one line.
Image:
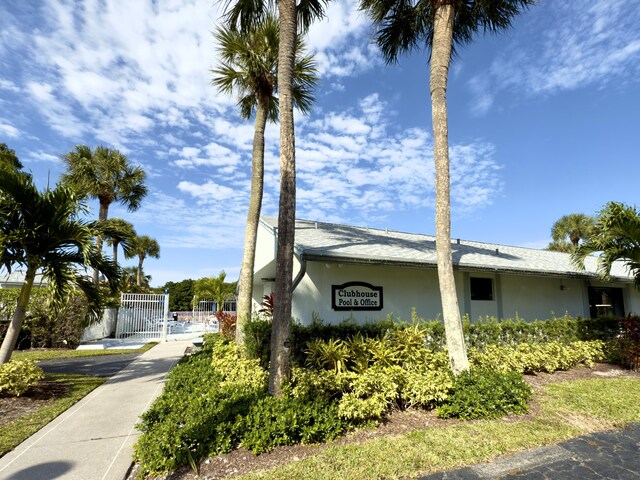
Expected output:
{"points": [[606, 301], [481, 288]]}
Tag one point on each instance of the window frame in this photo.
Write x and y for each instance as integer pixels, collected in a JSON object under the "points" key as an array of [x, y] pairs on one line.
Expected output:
{"points": [[481, 296]]}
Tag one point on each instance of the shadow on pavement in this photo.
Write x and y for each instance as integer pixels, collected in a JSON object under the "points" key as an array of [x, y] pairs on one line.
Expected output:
{"points": [[49, 470], [102, 366]]}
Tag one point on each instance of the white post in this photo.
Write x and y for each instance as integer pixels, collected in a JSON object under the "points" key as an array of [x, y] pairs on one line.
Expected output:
{"points": [[166, 316]]}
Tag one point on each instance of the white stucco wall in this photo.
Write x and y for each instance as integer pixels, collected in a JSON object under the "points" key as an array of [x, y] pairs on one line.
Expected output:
{"points": [[406, 288], [403, 288], [265, 249], [536, 298], [632, 300]]}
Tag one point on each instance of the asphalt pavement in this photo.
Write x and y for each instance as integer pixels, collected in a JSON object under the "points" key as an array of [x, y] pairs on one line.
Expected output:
{"points": [[104, 366], [611, 455]]}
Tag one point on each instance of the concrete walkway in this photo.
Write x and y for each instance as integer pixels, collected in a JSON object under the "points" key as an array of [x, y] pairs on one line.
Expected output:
{"points": [[94, 438]]}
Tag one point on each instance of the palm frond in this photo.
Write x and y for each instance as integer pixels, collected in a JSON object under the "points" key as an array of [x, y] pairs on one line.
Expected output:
{"points": [[400, 26]]}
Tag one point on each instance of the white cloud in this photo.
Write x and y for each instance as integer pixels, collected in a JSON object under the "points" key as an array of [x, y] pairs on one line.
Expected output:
{"points": [[207, 192], [347, 170], [58, 113], [9, 86], [599, 47], [40, 156], [340, 41], [9, 130]]}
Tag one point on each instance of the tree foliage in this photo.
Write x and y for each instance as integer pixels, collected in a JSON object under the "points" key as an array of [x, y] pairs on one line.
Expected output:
{"points": [[42, 232], [213, 288], [249, 68], [8, 158], [105, 174], [180, 295], [615, 238], [569, 230], [143, 247], [121, 234]]}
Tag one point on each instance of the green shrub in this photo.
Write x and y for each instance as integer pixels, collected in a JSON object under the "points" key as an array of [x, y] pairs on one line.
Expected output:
{"points": [[480, 393], [626, 347], [407, 336], [258, 336], [370, 394], [44, 325], [257, 340], [426, 388], [197, 413], [272, 422], [17, 376], [60, 327], [310, 383], [541, 357]]}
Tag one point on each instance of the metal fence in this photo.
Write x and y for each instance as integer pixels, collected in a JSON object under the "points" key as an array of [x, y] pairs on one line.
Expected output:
{"points": [[206, 309], [142, 316]]}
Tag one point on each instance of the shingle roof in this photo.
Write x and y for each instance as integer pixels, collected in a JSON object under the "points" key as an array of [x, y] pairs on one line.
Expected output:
{"points": [[320, 240], [16, 278]]}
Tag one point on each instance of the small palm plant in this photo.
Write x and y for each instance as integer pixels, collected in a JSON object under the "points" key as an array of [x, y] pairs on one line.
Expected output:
{"points": [[329, 354]]}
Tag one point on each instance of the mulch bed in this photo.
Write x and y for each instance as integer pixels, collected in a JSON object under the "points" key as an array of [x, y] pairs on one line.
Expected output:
{"points": [[45, 393], [242, 461]]}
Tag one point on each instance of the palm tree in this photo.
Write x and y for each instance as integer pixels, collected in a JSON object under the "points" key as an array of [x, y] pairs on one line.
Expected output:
{"points": [[123, 234], [576, 226], [129, 281], [40, 231], [561, 246], [143, 247], [215, 288], [291, 17], [441, 24], [615, 236], [107, 175], [250, 66]]}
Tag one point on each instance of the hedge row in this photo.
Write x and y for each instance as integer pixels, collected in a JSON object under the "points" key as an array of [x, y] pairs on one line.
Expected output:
{"points": [[490, 331]]}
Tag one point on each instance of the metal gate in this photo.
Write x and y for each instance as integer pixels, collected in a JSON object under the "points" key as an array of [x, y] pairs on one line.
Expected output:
{"points": [[143, 316]]}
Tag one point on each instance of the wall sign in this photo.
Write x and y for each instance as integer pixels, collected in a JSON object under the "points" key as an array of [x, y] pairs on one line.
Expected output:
{"points": [[356, 296]]}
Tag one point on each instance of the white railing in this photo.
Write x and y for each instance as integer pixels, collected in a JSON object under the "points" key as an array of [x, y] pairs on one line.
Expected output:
{"points": [[142, 316]]}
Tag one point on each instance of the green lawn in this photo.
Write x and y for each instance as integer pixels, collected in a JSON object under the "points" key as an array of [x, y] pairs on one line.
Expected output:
{"points": [[17, 431], [568, 409], [55, 353]]}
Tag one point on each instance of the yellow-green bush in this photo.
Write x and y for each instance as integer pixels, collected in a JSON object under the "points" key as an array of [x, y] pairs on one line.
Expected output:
{"points": [[538, 357], [426, 388], [17, 376]]}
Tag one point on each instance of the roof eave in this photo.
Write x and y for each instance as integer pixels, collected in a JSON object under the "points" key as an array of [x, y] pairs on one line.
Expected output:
{"points": [[330, 257]]}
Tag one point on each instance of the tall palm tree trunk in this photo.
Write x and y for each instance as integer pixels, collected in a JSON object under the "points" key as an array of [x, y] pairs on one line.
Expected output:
{"points": [[440, 60], [10, 339], [102, 216], [115, 252], [139, 272], [281, 328], [245, 288]]}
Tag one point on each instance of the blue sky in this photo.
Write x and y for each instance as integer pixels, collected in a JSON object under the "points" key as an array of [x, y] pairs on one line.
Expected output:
{"points": [[544, 121]]}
